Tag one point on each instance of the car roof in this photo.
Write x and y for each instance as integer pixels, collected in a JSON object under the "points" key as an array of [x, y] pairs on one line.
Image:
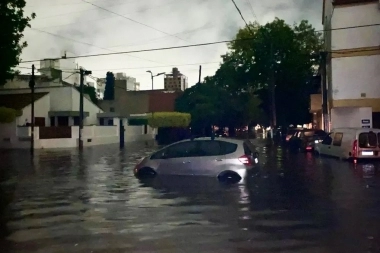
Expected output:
{"points": [[236, 141]]}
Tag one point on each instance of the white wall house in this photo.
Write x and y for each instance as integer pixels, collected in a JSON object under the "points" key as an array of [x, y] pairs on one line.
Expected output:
{"points": [[57, 119], [353, 76], [64, 105]]}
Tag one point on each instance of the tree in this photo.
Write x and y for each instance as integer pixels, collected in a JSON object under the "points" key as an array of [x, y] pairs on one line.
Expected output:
{"points": [[91, 91], [211, 104], [13, 23], [278, 52], [109, 92], [8, 115]]}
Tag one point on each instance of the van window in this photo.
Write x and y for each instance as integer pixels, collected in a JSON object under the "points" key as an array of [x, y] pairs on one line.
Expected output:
{"points": [[367, 140], [327, 140], [338, 139]]}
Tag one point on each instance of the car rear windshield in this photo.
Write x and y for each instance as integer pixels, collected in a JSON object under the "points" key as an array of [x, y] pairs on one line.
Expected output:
{"points": [[309, 133], [367, 140]]}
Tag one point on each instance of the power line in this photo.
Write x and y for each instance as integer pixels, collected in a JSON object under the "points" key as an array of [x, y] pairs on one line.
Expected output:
{"points": [[188, 46], [135, 21], [162, 66], [85, 43], [108, 17], [147, 50], [241, 15], [253, 12]]}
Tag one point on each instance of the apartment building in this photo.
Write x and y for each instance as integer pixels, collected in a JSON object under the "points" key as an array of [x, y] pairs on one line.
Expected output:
{"points": [[352, 39], [176, 81]]}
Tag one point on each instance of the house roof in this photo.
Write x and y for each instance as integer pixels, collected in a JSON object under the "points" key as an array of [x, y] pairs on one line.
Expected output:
{"points": [[20, 100]]}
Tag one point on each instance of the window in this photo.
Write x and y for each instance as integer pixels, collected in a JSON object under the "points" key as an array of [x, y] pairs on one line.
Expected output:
{"points": [[76, 121], [309, 133], [183, 149], [101, 121], [227, 147], [110, 122], [209, 148], [145, 129], [367, 140], [52, 121], [338, 139], [327, 140]]}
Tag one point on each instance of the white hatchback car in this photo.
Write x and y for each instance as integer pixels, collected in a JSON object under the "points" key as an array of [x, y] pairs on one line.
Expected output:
{"points": [[225, 159]]}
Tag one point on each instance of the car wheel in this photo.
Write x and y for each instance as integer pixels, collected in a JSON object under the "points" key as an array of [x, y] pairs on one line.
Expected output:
{"points": [[146, 172], [229, 177]]}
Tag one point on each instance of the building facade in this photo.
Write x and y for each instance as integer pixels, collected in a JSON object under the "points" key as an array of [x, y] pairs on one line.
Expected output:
{"points": [[130, 82], [176, 81], [353, 60]]}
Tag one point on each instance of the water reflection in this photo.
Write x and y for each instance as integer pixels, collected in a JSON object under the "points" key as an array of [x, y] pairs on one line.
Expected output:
{"points": [[65, 201]]}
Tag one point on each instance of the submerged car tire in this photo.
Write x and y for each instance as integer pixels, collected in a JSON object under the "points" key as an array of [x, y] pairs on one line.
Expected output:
{"points": [[146, 172], [229, 177]]}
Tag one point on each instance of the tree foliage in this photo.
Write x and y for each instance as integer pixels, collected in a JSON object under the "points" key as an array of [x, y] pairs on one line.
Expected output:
{"points": [[282, 53], [13, 23], [91, 91], [210, 104], [109, 92], [238, 93], [169, 119], [8, 115]]}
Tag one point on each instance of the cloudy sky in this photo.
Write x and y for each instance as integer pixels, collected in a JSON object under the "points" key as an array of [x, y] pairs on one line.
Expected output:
{"points": [[108, 26]]}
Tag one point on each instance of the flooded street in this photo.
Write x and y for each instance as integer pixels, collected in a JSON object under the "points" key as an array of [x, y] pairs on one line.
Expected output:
{"points": [[65, 202]]}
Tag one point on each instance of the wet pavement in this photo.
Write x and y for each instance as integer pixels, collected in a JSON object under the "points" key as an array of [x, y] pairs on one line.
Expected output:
{"points": [[65, 202]]}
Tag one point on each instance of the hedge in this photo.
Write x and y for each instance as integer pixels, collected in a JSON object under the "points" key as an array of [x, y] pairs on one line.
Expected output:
{"points": [[137, 121], [169, 119], [8, 115]]}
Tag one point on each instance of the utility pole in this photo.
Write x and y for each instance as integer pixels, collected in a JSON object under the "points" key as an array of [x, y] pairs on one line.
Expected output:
{"points": [[324, 91], [82, 73], [152, 82], [272, 90], [32, 84], [200, 73]]}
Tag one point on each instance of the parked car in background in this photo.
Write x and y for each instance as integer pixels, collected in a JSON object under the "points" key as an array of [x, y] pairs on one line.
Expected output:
{"points": [[351, 143], [306, 139], [290, 133], [228, 160]]}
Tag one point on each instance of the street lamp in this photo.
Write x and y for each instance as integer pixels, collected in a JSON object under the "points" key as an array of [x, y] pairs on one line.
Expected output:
{"points": [[152, 76]]}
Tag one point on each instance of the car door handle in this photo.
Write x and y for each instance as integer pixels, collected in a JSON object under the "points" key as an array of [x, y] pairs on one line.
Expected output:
{"points": [[218, 160], [329, 146], [186, 162]]}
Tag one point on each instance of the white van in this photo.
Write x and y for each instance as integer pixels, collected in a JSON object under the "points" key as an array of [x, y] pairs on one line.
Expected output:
{"points": [[351, 143]]}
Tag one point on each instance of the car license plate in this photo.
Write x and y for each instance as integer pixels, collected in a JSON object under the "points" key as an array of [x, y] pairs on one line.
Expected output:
{"points": [[367, 153]]}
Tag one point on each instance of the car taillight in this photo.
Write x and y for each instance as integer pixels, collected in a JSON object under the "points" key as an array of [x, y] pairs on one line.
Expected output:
{"points": [[355, 148], [246, 160]]}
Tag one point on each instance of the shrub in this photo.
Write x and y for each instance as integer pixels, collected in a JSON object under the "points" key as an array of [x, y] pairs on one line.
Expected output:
{"points": [[8, 115], [169, 119]]}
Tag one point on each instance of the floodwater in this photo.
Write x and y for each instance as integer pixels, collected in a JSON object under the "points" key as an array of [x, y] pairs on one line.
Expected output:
{"points": [[66, 202]]}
